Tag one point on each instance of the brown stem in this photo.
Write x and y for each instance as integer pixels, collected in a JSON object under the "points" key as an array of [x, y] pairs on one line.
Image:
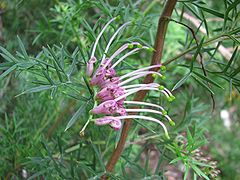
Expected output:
{"points": [[156, 59]]}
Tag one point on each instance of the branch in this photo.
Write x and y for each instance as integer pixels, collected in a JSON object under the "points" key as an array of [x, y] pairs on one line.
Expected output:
{"points": [[156, 59]]}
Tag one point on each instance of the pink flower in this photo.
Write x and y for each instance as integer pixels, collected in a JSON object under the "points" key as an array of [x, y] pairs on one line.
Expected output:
{"points": [[115, 123], [90, 66], [107, 107], [113, 90], [110, 92]]}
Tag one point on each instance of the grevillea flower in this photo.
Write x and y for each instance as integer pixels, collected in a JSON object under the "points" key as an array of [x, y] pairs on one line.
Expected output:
{"points": [[113, 89]]}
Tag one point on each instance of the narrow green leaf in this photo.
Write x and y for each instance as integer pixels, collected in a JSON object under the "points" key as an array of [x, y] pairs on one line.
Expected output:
{"points": [[189, 137], [38, 174], [22, 48], [36, 89], [208, 79], [56, 166], [234, 73], [233, 38], [98, 155], [181, 81], [196, 53], [89, 29], [205, 22], [231, 59], [211, 11], [5, 73], [53, 92], [76, 116], [230, 7], [199, 172], [186, 171], [7, 55], [88, 86], [203, 85], [55, 59], [46, 74], [73, 65], [176, 160], [6, 65], [36, 38], [56, 64]]}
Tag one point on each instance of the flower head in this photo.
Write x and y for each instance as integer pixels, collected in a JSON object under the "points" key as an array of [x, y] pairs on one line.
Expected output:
{"points": [[114, 89]]}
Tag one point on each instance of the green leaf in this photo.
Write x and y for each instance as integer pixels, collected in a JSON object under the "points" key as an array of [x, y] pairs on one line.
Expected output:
{"points": [[181, 81], [231, 59], [211, 11], [234, 73], [186, 172], [76, 116], [5, 73], [98, 155], [87, 84], [56, 64], [230, 7], [36, 89], [208, 80], [53, 92], [22, 48], [203, 85], [205, 22], [233, 38], [46, 74], [38, 174], [6, 65], [7, 55], [199, 172], [196, 53], [176, 160]]}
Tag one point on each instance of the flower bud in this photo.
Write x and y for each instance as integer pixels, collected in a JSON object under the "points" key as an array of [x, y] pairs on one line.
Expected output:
{"points": [[90, 66]]}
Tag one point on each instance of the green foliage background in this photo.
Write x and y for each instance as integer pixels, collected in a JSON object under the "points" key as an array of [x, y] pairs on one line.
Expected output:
{"points": [[42, 89]]}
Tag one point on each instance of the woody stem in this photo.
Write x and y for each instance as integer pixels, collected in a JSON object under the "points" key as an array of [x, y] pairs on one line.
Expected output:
{"points": [[156, 59]]}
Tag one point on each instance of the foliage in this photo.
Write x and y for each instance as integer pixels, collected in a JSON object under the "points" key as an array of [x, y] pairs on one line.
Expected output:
{"points": [[46, 98]]}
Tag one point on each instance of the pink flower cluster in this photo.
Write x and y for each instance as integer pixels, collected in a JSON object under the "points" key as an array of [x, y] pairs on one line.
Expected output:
{"points": [[113, 89]]}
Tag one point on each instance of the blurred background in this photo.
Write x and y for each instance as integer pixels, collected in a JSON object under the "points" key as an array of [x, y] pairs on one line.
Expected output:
{"points": [[206, 138]]}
